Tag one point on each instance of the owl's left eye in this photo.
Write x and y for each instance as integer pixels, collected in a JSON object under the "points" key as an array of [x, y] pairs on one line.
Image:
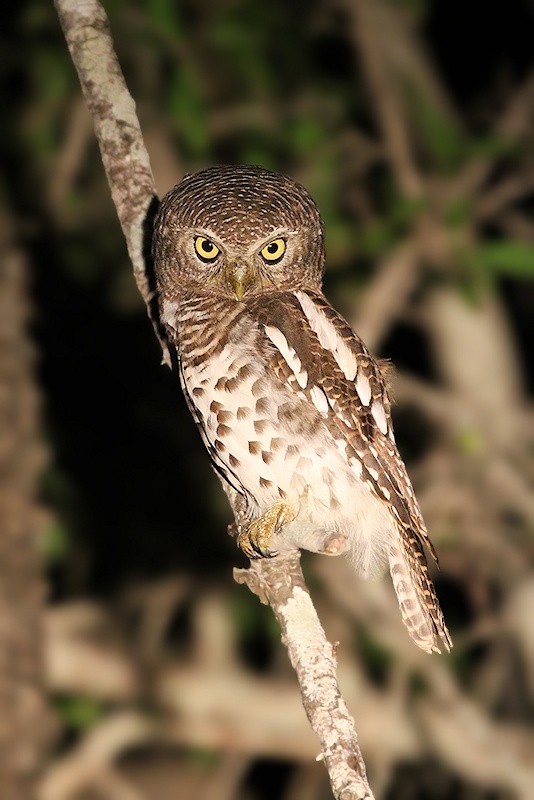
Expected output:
{"points": [[274, 251], [205, 249]]}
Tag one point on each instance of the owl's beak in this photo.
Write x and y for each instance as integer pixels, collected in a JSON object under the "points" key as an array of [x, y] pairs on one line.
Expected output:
{"points": [[240, 277]]}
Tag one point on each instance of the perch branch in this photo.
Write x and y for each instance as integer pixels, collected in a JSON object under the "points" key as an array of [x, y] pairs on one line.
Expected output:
{"points": [[118, 132], [280, 581]]}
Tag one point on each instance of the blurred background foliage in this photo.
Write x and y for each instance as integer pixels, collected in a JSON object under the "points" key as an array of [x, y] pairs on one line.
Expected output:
{"points": [[411, 123]]}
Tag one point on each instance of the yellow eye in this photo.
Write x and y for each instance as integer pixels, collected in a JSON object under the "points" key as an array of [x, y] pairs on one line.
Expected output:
{"points": [[205, 249], [274, 251]]}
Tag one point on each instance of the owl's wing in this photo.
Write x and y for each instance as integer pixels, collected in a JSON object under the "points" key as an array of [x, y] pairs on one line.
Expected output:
{"points": [[314, 350]]}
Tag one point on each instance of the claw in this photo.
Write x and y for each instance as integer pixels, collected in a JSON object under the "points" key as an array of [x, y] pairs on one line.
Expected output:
{"points": [[255, 541]]}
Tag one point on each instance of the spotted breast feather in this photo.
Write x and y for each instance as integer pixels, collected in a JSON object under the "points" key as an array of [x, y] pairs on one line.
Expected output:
{"points": [[293, 408]]}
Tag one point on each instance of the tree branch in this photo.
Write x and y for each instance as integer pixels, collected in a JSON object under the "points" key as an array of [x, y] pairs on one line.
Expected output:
{"points": [[27, 726], [119, 136], [278, 581], [372, 24]]}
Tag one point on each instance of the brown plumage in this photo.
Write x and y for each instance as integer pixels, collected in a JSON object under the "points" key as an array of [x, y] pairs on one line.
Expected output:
{"points": [[292, 407]]}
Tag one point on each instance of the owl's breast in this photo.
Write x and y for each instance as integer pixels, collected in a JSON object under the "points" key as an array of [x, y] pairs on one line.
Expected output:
{"points": [[236, 403], [268, 442]]}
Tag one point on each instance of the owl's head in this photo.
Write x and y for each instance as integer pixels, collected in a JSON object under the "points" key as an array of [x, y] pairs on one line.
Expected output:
{"points": [[237, 230]]}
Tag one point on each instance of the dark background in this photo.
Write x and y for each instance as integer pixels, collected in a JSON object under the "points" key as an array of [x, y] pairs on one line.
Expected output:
{"points": [[130, 494]]}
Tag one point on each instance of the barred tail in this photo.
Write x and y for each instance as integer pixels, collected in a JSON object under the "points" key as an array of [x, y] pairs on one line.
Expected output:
{"points": [[418, 603]]}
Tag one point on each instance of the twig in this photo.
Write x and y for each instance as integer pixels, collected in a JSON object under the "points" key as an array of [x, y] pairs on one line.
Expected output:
{"points": [[117, 129], [279, 581], [281, 584], [371, 24], [513, 124], [68, 160], [91, 760], [508, 191], [385, 297], [517, 225]]}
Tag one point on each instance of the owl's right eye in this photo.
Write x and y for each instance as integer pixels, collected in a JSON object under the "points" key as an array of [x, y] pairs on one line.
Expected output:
{"points": [[205, 249]]}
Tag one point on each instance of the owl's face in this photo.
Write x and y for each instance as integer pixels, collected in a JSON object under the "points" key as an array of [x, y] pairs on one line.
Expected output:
{"points": [[237, 230]]}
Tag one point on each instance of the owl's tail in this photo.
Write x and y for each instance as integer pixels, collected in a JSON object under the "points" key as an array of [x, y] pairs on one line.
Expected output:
{"points": [[418, 603]]}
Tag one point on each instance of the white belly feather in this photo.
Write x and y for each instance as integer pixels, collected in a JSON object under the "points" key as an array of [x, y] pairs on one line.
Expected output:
{"points": [[274, 461]]}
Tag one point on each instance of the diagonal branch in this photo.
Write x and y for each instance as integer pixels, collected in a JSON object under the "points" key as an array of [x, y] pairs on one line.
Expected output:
{"points": [[280, 583], [118, 132], [280, 580], [372, 25]]}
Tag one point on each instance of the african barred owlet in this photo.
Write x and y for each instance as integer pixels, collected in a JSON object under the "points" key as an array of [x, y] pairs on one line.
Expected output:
{"points": [[291, 406]]}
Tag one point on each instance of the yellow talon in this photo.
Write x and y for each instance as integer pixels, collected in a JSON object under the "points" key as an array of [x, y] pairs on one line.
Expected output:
{"points": [[255, 541]]}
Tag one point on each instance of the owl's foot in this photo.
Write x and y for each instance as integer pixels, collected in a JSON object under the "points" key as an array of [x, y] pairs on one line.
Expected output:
{"points": [[255, 541]]}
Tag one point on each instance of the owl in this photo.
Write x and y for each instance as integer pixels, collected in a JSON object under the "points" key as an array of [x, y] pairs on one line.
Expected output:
{"points": [[291, 406]]}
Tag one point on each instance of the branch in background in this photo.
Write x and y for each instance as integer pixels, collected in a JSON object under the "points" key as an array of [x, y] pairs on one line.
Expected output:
{"points": [[67, 163], [387, 295], [477, 747], [279, 581], [207, 705], [514, 124], [90, 763], [25, 723], [373, 25], [510, 190]]}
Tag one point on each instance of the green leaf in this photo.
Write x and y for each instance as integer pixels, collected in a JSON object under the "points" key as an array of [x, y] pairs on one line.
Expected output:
{"points": [[459, 213], [80, 713], [418, 9], [470, 442], [187, 108], [166, 14], [440, 136], [508, 257], [492, 146], [54, 542], [304, 135], [258, 152]]}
